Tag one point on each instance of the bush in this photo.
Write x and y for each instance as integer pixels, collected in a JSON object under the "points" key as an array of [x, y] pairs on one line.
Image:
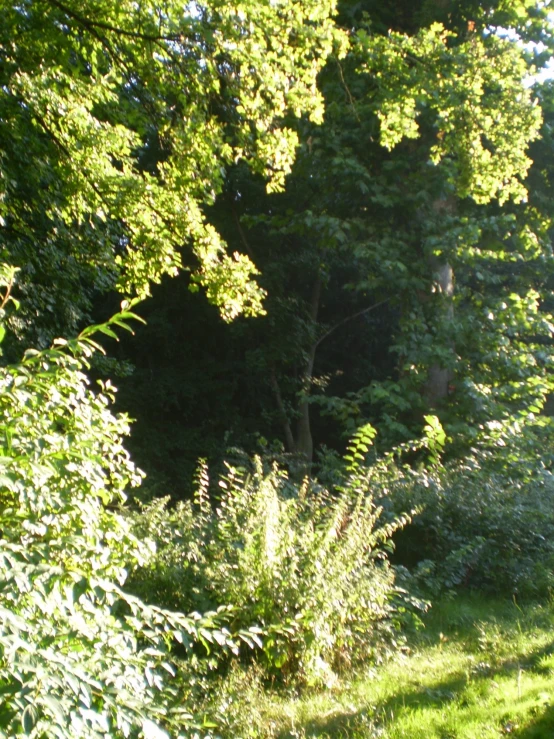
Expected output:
{"points": [[485, 523], [79, 656], [306, 565]]}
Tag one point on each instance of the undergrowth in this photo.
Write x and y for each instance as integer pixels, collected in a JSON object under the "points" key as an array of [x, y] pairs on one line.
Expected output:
{"points": [[480, 668], [306, 566]]}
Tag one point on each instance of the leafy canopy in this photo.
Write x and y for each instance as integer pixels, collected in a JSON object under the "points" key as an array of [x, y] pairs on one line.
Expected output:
{"points": [[117, 119], [483, 118]]}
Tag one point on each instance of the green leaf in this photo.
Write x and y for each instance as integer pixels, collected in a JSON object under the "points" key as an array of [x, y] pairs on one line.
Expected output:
{"points": [[153, 731], [56, 708], [29, 718]]}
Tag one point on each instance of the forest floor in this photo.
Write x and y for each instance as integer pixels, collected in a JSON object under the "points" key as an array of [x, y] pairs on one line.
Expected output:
{"points": [[478, 670]]}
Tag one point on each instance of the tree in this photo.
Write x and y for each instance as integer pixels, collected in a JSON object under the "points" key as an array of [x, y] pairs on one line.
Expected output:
{"points": [[358, 325], [117, 121], [417, 181]]}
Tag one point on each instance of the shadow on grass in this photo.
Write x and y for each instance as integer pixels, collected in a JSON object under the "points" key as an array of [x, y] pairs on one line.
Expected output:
{"points": [[366, 722], [541, 727], [347, 724], [360, 723]]}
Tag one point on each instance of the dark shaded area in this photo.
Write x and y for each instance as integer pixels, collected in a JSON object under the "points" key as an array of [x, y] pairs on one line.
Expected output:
{"points": [[540, 728]]}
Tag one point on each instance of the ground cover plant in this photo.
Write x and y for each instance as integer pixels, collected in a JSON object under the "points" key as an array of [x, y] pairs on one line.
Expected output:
{"points": [[480, 668]]}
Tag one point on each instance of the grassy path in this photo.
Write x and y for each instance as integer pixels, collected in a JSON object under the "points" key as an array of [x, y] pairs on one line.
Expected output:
{"points": [[480, 670]]}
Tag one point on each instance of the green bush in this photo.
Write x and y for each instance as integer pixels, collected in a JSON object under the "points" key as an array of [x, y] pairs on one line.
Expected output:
{"points": [[80, 657], [486, 522], [306, 565]]}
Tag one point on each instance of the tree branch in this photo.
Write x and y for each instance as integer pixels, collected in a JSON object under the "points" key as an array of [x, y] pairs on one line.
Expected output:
{"points": [[347, 89], [9, 288], [89, 24], [289, 438], [242, 234]]}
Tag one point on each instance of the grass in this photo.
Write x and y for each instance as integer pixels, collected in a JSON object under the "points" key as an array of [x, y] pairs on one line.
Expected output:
{"points": [[479, 670]]}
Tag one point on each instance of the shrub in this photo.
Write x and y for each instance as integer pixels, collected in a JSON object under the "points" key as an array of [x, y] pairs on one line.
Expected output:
{"points": [[486, 522], [306, 565], [79, 656]]}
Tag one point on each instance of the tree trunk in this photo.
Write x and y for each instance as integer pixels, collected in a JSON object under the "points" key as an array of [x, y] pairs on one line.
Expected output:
{"points": [[304, 440], [290, 444], [436, 388]]}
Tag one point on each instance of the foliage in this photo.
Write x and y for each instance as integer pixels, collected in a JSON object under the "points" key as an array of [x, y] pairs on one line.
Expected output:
{"points": [[422, 160], [79, 656], [472, 87], [413, 243], [356, 320], [486, 521], [305, 565], [117, 121]]}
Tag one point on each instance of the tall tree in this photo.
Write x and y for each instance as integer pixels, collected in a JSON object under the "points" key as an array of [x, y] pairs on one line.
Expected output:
{"points": [[405, 264], [417, 181], [117, 121]]}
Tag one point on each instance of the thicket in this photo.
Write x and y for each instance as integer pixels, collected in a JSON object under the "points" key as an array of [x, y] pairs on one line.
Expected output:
{"points": [[296, 574], [306, 566], [79, 655], [486, 521], [293, 576], [406, 272]]}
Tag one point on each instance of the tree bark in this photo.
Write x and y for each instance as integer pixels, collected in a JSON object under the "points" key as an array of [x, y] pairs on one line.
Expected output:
{"points": [[290, 444], [304, 439], [439, 377], [301, 443]]}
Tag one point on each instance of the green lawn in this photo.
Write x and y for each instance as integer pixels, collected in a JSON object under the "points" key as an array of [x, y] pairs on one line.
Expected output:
{"points": [[480, 670]]}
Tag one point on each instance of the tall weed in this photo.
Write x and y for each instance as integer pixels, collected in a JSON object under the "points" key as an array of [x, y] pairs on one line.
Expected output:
{"points": [[308, 566]]}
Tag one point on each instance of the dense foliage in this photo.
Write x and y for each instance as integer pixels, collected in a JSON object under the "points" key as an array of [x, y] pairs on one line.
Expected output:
{"points": [[79, 656], [306, 566], [364, 194], [117, 121], [407, 263], [486, 521]]}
